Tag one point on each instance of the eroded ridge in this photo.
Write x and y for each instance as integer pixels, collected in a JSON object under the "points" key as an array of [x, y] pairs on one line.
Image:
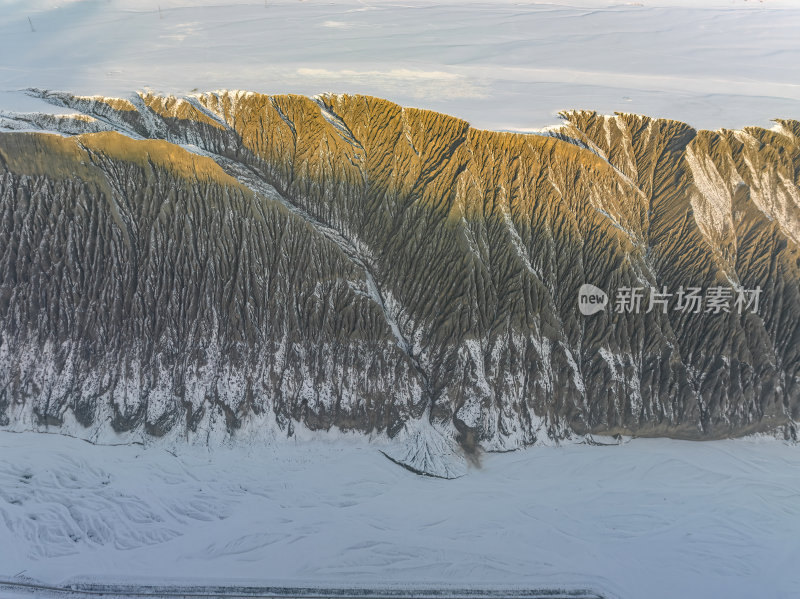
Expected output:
{"points": [[210, 266]]}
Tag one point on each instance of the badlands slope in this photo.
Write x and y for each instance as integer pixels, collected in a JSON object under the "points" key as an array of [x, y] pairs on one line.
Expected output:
{"points": [[196, 268]]}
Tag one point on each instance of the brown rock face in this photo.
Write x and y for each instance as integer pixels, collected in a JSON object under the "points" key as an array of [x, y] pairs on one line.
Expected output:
{"points": [[200, 266]]}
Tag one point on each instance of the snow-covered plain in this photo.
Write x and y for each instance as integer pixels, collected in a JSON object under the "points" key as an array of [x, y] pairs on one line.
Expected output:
{"points": [[500, 65], [648, 518]]}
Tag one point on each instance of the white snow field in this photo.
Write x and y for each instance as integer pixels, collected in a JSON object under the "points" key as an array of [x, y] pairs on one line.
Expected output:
{"points": [[645, 519], [501, 64]]}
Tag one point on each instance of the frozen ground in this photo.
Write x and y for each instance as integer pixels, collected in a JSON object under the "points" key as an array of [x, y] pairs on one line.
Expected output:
{"points": [[500, 65], [649, 518]]}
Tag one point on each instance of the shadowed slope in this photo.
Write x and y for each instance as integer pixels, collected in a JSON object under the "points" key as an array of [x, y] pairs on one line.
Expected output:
{"points": [[343, 261]]}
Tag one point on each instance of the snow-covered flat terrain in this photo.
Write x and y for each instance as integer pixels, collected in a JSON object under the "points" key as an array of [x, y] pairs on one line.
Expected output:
{"points": [[500, 65], [649, 518]]}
